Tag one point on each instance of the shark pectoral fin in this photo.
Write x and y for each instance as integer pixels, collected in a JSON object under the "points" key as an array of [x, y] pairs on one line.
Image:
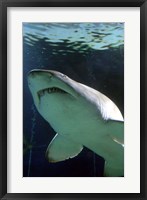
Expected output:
{"points": [[61, 149]]}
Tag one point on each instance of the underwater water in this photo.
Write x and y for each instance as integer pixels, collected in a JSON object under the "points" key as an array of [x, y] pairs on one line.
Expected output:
{"points": [[90, 53]]}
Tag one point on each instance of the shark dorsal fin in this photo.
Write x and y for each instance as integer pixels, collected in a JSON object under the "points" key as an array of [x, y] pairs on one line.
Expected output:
{"points": [[61, 149]]}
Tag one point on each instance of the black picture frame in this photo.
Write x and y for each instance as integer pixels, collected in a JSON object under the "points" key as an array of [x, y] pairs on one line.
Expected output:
{"points": [[4, 4]]}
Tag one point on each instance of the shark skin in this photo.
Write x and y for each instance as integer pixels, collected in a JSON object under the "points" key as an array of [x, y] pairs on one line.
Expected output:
{"points": [[81, 116]]}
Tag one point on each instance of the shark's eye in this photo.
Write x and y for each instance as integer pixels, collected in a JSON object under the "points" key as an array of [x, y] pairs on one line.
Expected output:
{"points": [[63, 76]]}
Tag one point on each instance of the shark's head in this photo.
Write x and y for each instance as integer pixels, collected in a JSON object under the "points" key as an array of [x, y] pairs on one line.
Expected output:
{"points": [[52, 91], [49, 82]]}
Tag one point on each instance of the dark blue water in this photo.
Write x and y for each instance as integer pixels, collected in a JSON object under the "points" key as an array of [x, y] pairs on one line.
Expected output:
{"points": [[91, 53]]}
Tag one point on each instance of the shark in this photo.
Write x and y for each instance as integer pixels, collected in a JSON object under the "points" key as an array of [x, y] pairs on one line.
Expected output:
{"points": [[81, 117]]}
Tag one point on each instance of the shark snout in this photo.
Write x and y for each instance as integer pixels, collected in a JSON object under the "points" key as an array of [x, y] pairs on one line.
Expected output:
{"points": [[38, 79], [34, 74]]}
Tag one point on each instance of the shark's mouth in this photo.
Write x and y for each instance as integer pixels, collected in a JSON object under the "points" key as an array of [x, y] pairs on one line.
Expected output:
{"points": [[50, 91]]}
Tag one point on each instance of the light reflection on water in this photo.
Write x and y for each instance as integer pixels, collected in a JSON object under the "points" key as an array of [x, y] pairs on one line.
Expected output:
{"points": [[75, 36]]}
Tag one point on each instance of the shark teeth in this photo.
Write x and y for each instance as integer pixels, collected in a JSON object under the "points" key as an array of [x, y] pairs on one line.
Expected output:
{"points": [[50, 90]]}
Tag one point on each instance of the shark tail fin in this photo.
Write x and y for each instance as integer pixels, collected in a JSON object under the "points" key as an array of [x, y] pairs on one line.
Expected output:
{"points": [[61, 149]]}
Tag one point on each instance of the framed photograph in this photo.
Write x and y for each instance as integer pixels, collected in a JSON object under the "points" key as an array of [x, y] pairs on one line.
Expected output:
{"points": [[72, 103]]}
